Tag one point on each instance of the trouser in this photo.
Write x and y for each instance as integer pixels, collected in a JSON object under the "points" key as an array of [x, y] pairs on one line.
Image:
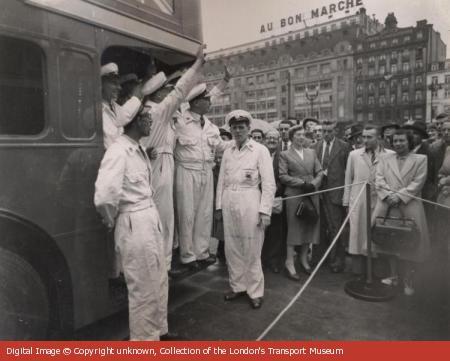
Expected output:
{"points": [[139, 240], [163, 173], [243, 241], [194, 211], [331, 220], [274, 248]]}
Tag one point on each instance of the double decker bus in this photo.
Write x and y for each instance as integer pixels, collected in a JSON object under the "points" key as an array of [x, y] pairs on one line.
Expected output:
{"points": [[55, 255]]}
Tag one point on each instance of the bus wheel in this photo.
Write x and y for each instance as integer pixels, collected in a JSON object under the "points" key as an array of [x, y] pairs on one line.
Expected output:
{"points": [[24, 306]]}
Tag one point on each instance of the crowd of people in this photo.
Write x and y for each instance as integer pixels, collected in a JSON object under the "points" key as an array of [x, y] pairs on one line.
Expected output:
{"points": [[172, 179]]}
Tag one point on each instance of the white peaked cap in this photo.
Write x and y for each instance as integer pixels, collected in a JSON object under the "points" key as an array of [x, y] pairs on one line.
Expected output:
{"points": [[154, 83], [109, 69], [238, 113], [196, 91]]}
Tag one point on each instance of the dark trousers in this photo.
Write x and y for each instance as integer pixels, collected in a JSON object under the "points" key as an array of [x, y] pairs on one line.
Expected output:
{"points": [[274, 247], [331, 219]]}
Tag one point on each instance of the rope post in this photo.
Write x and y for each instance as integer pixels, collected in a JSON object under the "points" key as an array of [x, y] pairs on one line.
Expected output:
{"points": [[368, 289], [369, 279]]}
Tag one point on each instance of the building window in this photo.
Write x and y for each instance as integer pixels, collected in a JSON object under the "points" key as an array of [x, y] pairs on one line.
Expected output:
{"points": [[434, 67], [419, 64], [271, 77], [359, 88], [370, 117], [382, 69], [382, 100], [359, 47], [405, 97], [359, 117], [283, 101], [394, 68], [372, 45], [419, 80], [261, 105], [371, 87], [405, 54], [371, 61], [419, 96], [394, 55], [382, 85], [359, 63], [250, 80], [325, 85], [406, 114], [260, 94], [382, 58], [271, 92], [299, 89], [371, 71], [405, 82], [271, 104], [250, 95], [283, 88], [22, 88], [371, 100], [394, 41], [299, 73], [383, 43], [325, 68], [260, 79], [237, 81], [406, 38], [419, 35], [359, 101], [405, 67], [312, 70], [393, 98]]}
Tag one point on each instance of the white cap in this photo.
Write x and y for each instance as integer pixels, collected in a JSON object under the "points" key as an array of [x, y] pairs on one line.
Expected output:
{"points": [[109, 69], [154, 83], [238, 113], [196, 91]]}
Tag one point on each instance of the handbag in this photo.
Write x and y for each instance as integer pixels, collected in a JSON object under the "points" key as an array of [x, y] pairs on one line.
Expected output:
{"points": [[395, 233], [306, 210]]}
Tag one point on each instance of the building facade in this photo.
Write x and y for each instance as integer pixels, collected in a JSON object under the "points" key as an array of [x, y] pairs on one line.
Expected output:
{"points": [[391, 72], [438, 89], [308, 72]]}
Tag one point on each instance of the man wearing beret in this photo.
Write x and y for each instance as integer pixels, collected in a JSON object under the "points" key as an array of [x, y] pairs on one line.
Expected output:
{"points": [[245, 193]]}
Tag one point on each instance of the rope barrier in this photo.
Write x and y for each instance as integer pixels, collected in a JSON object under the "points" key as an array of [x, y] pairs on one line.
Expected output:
{"points": [[308, 281], [322, 191], [410, 195]]}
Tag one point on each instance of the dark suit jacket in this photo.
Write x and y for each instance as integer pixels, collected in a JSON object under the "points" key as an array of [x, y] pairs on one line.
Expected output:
{"points": [[429, 190], [276, 171], [438, 152], [336, 168]]}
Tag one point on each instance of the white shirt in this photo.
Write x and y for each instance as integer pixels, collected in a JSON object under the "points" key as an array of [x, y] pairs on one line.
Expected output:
{"points": [[299, 152]]}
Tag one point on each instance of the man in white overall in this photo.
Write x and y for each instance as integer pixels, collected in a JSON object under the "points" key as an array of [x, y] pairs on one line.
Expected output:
{"points": [[197, 141], [123, 196], [164, 103], [245, 193]]}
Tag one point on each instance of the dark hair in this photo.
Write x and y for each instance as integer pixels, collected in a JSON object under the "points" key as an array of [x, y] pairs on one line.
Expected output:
{"points": [[294, 130], [409, 137], [286, 121], [135, 118], [369, 126], [329, 122], [256, 130]]}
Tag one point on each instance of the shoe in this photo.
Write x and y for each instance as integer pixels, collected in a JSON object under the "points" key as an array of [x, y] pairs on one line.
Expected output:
{"points": [[231, 296], [307, 270], [292, 276], [408, 288], [390, 281], [178, 272], [256, 302], [169, 336], [193, 266], [208, 261]]}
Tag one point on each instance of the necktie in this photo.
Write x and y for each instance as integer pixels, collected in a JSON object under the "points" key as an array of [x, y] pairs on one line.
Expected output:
{"points": [[202, 121], [326, 156], [285, 146], [372, 157]]}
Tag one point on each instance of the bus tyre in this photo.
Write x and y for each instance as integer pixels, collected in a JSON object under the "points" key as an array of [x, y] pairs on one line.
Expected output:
{"points": [[24, 306]]}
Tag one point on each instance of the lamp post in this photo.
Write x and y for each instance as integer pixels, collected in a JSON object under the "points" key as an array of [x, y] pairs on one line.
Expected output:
{"points": [[433, 87], [311, 96]]}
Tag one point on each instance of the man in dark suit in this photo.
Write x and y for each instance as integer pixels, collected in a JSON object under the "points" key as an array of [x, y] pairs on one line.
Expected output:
{"points": [[332, 153], [274, 247]]}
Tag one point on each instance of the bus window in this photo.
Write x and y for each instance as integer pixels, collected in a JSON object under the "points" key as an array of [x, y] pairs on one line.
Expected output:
{"points": [[21, 87], [78, 92]]}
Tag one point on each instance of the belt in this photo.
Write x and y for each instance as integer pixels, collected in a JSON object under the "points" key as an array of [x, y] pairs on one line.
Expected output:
{"points": [[238, 187], [196, 165], [134, 207]]}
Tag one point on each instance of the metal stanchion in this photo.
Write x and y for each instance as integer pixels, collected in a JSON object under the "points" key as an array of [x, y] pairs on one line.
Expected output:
{"points": [[369, 289]]}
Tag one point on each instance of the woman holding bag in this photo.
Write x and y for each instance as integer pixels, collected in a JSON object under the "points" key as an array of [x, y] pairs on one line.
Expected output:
{"points": [[399, 175], [300, 173]]}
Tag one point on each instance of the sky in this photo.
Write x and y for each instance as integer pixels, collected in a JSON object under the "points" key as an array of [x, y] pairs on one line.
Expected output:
{"points": [[228, 23]]}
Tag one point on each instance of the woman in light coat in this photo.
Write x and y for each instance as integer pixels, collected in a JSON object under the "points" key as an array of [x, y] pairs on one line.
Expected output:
{"points": [[399, 175], [300, 172]]}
